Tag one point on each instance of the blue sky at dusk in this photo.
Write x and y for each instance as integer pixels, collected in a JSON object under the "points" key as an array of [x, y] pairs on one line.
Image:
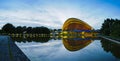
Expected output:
{"points": [[53, 13]]}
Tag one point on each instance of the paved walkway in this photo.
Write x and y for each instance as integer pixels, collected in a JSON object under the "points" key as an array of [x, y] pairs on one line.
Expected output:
{"points": [[9, 50], [110, 40]]}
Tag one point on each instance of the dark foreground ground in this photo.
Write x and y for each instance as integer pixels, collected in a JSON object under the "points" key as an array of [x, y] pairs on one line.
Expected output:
{"points": [[9, 50]]}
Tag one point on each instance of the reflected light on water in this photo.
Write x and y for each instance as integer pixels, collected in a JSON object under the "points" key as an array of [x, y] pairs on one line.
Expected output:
{"points": [[74, 45]]}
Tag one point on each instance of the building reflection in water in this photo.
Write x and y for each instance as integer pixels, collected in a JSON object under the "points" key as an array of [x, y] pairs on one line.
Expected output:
{"points": [[74, 44], [109, 46]]}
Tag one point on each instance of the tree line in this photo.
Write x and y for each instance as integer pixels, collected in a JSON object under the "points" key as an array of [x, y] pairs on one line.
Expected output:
{"points": [[10, 28], [111, 27]]}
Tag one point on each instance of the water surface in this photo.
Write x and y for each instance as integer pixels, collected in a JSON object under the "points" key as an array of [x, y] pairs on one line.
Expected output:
{"points": [[54, 50]]}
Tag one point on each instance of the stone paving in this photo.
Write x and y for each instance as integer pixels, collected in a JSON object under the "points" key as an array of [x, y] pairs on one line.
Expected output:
{"points": [[9, 51]]}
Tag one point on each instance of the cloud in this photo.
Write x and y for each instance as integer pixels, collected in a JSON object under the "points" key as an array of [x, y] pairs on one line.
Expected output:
{"points": [[54, 14], [30, 17], [45, 16]]}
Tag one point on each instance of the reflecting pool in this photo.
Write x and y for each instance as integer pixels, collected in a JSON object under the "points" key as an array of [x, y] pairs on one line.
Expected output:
{"points": [[71, 49]]}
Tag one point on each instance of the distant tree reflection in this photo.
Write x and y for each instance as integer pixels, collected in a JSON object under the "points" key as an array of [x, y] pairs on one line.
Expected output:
{"points": [[111, 47], [35, 39]]}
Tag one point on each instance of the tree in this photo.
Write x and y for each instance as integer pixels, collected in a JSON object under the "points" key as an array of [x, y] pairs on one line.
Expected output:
{"points": [[45, 30], [111, 27], [29, 30], [41, 30], [19, 29], [107, 26], [8, 28], [116, 29]]}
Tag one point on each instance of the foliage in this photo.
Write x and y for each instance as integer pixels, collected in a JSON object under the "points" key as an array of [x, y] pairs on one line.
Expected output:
{"points": [[111, 27], [9, 28]]}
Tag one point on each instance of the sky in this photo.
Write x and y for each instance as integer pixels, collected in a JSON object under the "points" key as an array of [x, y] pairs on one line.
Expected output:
{"points": [[53, 13]]}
